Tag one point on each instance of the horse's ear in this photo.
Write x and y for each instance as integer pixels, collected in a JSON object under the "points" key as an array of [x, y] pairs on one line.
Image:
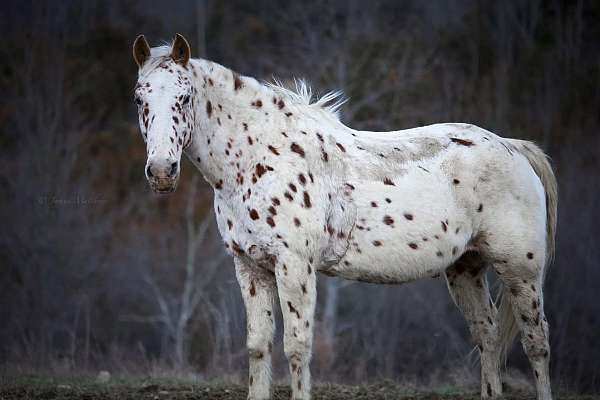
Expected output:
{"points": [[180, 52], [141, 50]]}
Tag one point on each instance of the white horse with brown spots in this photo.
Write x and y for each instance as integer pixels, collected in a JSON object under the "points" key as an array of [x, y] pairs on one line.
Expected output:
{"points": [[297, 192]]}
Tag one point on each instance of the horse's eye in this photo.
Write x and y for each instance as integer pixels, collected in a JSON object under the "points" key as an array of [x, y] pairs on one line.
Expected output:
{"points": [[186, 100]]}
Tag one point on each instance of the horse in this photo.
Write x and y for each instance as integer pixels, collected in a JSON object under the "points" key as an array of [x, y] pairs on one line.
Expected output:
{"points": [[297, 192]]}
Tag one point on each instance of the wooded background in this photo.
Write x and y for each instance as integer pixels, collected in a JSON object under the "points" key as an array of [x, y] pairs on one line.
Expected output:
{"points": [[97, 272]]}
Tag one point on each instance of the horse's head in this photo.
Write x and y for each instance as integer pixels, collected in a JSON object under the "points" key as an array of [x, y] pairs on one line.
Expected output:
{"points": [[164, 95]]}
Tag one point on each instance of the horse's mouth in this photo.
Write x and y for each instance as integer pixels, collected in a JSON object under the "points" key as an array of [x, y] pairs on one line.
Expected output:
{"points": [[163, 186]]}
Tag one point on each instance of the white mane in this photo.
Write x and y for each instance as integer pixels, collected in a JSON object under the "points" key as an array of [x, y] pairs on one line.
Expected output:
{"points": [[302, 94]]}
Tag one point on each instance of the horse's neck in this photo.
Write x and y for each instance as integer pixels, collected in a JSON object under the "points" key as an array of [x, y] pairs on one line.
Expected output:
{"points": [[235, 119]]}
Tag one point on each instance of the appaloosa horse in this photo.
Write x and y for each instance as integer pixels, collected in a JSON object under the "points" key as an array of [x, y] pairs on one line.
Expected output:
{"points": [[296, 192]]}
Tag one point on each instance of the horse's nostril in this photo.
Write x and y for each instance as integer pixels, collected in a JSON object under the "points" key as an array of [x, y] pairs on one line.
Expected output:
{"points": [[173, 170], [149, 171]]}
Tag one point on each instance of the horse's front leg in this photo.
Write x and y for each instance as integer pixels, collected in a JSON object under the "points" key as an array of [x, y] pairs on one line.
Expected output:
{"points": [[259, 291], [296, 285]]}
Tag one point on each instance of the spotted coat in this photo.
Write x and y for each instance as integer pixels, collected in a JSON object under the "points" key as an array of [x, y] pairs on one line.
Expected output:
{"points": [[297, 192]]}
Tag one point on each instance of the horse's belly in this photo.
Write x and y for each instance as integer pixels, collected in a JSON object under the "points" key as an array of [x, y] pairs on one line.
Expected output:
{"points": [[393, 267], [403, 233]]}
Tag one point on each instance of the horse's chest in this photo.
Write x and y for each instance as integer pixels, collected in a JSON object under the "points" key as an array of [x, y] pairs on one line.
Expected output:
{"points": [[240, 226], [260, 227]]}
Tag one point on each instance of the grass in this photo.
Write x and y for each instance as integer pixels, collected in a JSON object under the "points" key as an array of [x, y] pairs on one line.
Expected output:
{"points": [[41, 387]]}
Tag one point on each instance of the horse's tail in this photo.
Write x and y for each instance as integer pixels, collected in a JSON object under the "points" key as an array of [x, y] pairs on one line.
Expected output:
{"points": [[540, 164]]}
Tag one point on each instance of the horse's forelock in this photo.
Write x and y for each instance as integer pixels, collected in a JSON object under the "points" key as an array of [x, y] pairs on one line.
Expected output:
{"points": [[157, 56]]}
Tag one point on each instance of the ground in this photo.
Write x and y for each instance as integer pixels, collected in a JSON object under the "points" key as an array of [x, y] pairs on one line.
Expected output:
{"points": [[31, 387]]}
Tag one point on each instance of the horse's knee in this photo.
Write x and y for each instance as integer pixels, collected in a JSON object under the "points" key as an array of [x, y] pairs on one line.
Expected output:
{"points": [[297, 347], [258, 345], [258, 352]]}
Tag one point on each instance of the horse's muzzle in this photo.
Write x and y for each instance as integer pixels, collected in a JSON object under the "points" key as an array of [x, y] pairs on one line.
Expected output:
{"points": [[163, 185], [162, 176]]}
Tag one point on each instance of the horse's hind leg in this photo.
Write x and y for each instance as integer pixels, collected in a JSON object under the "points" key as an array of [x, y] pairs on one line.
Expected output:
{"points": [[523, 276], [469, 289]]}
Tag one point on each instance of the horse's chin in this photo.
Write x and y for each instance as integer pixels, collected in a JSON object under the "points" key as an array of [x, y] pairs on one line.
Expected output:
{"points": [[163, 186]]}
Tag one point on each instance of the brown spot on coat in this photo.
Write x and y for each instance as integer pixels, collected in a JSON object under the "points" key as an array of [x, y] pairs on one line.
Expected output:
{"points": [[307, 202], [413, 246], [377, 243], [252, 289], [293, 309], [388, 220], [209, 108], [271, 221], [339, 145], [462, 142], [254, 214], [296, 222], [530, 255], [296, 148], [260, 170], [273, 150], [237, 82], [444, 226], [408, 216], [330, 229], [388, 181], [236, 247]]}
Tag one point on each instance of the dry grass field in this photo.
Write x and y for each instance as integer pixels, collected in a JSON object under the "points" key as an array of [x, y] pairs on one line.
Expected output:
{"points": [[32, 387]]}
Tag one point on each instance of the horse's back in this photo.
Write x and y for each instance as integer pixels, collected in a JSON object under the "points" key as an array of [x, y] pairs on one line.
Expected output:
{"points": [[426, 195]]}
